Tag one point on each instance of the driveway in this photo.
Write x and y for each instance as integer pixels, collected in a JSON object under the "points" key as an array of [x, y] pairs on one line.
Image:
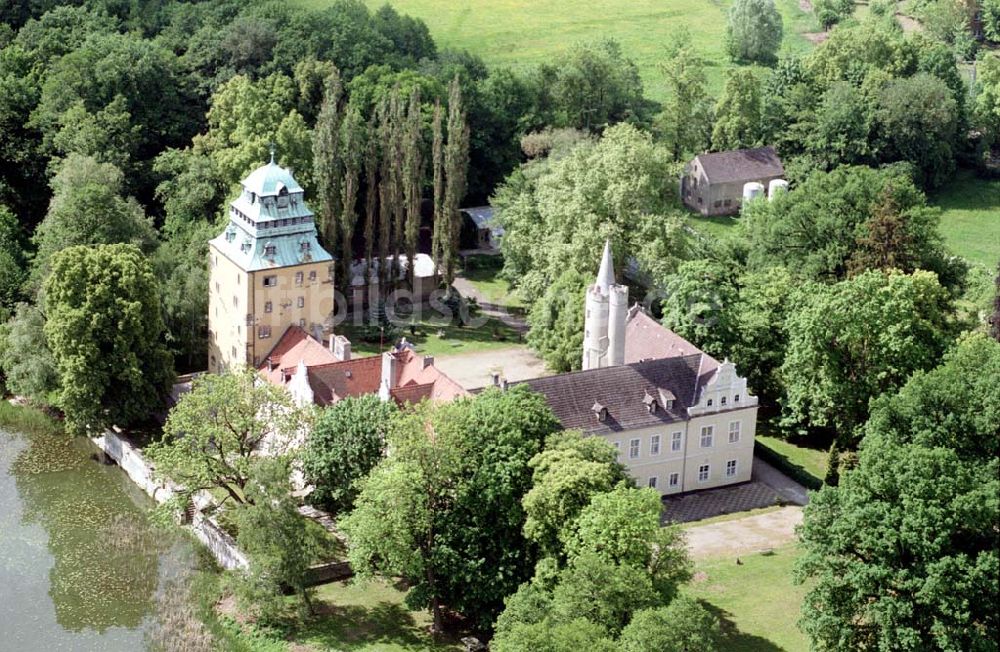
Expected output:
{"points": [[743, 536]]}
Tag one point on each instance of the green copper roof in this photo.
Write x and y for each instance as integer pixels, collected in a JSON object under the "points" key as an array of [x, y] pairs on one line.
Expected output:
{"points": [[270, 179], [269, 223]]}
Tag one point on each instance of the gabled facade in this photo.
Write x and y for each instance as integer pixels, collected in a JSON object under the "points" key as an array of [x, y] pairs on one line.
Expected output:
{"points": [[267, 271], [712, 184]]}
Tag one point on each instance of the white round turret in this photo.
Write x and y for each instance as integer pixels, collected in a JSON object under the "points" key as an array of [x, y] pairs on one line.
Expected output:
{"points": [[595, 328], [617, 316]]}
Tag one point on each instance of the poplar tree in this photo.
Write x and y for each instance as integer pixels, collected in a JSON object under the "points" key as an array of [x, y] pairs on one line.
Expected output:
{"points": [[397, 180], [385, 193], [437, 163], [456, 162], [327, 162], [353, 144], [371, 193], [413, 177]]}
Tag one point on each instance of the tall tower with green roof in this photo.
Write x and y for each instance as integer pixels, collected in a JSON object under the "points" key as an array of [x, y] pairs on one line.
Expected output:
{"points": [[267, 271]]}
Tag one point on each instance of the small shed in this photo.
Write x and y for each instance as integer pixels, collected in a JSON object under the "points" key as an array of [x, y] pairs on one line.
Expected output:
{"points": [[479, 229], [712, 184]]}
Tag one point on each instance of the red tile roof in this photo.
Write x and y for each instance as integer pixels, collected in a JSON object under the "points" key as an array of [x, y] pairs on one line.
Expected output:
{"points": [[647, 339], [294, 346]]}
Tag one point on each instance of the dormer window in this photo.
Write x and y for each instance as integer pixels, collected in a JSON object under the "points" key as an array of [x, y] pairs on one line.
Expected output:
{"points": [[600, 412], [304, 246], [649, 402], [667, 399], [270, 250]]}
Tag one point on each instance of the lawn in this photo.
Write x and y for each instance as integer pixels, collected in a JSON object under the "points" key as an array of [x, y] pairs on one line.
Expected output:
{"points": [[809, 458], [437, 337], [715, 226], [970, 217], [757, 602], [521, 33], [351, 617], [483, 273]]}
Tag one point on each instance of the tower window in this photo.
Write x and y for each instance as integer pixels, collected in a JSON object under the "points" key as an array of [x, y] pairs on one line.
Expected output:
{"points": [[270, 281], [270, 250], [312, 276], [263, 332], [268, 307], [305, 246], [298, 278], [302, 302]]}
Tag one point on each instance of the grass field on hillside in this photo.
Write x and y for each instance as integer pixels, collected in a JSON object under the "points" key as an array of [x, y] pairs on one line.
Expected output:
{"points": [[970, 217], [521, 33], [757, 602]]}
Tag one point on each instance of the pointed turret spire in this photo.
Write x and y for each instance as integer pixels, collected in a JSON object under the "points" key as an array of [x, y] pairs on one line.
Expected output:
{"points": [[606, 274]]}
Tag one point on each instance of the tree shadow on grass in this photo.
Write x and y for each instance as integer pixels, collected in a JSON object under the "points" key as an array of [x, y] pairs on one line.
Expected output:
{"points": [[354, 627], [734, 640]]}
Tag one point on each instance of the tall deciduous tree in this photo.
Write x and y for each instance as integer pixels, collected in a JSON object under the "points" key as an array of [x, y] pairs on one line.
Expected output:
{"points": [[903, 554], [214, 435], [328, 160], [105, 330], [12, 259], [353, 155], [681, 626], [685, 123], [739, 113], [28, 366], [439, 232], [88, 208], [455, 163], [413, 181], [858, 339], [753, 31], [344, 446], [443, 510]]}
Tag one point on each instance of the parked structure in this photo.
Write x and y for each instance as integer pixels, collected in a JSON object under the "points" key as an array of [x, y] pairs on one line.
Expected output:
{"points": [[712, 184], [479, 229], [681, 420], [268, 271]]}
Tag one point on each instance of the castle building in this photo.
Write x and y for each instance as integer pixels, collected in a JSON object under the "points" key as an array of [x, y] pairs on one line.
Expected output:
{"points": [[267, 271], [680, 420], [604, 321]]}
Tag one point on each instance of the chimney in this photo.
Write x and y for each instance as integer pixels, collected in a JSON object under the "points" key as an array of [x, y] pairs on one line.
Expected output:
{"points": [[496, 378], [272, 364], [428, 361], [503, 385], [389, 373], [341, 347]]}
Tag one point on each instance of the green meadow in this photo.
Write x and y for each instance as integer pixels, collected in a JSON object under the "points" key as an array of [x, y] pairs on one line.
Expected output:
{"points": [[520, 33]]}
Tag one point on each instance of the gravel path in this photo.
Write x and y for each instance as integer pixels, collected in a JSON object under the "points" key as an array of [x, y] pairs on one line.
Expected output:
{"points": [[471, 370], [745, 535]]}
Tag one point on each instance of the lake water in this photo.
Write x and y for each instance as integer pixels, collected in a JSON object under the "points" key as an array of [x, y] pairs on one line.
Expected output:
{"points": [[80, 566]]}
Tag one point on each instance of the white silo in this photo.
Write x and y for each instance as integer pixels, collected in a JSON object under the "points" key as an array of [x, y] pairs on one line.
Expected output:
{"points": [[752, 190], [776, 186]]}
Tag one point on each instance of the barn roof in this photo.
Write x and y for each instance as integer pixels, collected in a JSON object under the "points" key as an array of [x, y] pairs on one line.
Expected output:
{"points": [[741, 165]]}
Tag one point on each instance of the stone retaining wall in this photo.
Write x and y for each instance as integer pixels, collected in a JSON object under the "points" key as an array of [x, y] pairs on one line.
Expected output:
{"points": [[131, 460]]}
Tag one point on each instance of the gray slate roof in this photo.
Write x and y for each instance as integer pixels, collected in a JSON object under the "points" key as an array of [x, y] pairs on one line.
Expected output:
{"points": [[741, 165], [621, 391]]}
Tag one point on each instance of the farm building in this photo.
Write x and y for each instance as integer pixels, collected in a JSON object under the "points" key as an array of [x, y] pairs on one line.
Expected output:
{"points": [[712, 184], [479, 229]]}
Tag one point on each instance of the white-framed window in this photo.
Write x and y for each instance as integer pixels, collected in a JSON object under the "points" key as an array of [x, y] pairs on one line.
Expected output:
{"points": [[312, 276], [675, 441], [299, 277], [654, 445], [268, 306], [675, 479], [731, 468], [707, 433], [703, 473], [652, 482], [709, 403], [301, 302], [270, 281], [734, 432], [237, 279], [722, 401], [736, 398], [236, 301], [633, 448], [263, 332]]}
